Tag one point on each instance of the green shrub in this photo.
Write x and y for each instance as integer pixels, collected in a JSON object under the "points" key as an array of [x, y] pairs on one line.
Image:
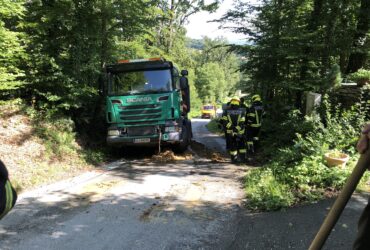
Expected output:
{"points": [[361, 76], [213, 126], [297, 169], [58, 136], [264, 192]]}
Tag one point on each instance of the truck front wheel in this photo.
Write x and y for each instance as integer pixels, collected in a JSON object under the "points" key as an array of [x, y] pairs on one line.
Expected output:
{"points": [[183, 145]]}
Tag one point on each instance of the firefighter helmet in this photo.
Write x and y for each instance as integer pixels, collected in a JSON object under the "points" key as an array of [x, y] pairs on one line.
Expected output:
{"points": [[256, 98], [235, 101]]}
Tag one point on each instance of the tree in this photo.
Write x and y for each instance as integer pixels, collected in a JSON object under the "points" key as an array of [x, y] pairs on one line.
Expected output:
{"points": [[174, 15], [361, 43], [216, 57], [294, 44], [70, 42], [11, 47]]}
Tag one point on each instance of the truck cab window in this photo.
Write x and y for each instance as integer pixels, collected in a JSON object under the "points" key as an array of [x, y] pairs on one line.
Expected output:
{"points": [[139, 82]]}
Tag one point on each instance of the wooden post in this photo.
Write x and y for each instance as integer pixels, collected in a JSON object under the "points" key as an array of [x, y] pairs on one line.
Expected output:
{"points": [[341, 202]]}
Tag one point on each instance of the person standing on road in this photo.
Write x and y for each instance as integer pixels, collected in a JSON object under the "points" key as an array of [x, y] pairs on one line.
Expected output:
{"points": [[233, 121], [8, 196], [362, 241], [253, 123]]}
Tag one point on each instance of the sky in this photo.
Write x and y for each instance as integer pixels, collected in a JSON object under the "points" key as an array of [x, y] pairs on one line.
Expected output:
{"points": [[198, 26]]}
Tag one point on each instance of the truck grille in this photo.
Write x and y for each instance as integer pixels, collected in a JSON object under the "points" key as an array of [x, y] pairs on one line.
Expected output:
{"points": [[141, 131], [148, 112], [140, 106]]}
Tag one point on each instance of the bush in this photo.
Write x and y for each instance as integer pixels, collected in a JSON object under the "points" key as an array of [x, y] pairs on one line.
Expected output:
{"points": [[58, 136], [362, 76], [213, 126], [297, 169], [264, 192]]}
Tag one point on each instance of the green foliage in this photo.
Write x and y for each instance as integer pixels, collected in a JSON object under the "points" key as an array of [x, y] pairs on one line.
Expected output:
{"points": [[333, 79], [94, 156], [213, 126], [211, 82], [264, 192], [216, 71], [11, 47], [292, 45], [296, 163], [361, 76], [58, 136]]}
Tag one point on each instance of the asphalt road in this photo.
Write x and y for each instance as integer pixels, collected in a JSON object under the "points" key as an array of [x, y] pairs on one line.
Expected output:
{"points": [[131, 204], [143, 204], [202, 135]]}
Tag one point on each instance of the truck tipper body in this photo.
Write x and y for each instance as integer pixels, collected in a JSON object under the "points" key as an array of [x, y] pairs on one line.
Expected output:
{"points": [[147, 104]]}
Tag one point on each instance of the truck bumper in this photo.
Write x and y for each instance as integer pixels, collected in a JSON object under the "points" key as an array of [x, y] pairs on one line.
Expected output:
{"points": [[166, 138]]}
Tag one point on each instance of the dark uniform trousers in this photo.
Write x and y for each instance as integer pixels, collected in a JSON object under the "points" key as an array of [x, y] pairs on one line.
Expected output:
{"points": [[254, 122], [362, 241], [234, 122], [8, 195]]}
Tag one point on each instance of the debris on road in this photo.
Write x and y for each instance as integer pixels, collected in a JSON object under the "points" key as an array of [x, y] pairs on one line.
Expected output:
{"points": [[170, 156]]}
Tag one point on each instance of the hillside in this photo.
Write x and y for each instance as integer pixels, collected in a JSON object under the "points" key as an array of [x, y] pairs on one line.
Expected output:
{"points": [[33, 151]]}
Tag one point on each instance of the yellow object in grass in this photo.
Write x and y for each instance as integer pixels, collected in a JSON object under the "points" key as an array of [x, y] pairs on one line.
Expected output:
{"points": [[336, 158]]}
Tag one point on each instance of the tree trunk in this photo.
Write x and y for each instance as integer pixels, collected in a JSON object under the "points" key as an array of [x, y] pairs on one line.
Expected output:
{"points": [[104, 35]]}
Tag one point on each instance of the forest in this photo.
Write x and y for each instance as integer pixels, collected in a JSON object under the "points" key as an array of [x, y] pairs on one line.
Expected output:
{"points": [[52, 54]]}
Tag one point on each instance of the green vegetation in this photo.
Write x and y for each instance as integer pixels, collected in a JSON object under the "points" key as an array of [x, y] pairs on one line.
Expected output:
{"points": [[213, 126], [52, 54], [362, 76], [295, 47], [297, 172], [40, 150]]}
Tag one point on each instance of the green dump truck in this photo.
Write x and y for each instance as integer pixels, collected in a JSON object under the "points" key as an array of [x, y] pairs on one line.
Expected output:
{"points": [[147, 104]]}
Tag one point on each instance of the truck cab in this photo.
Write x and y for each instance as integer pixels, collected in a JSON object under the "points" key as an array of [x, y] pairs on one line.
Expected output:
{"points": [[147, 104]]}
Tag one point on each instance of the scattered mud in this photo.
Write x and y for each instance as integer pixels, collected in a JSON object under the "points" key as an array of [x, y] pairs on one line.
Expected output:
{"points": [[170, 156], [204, 152], [154, 208]]}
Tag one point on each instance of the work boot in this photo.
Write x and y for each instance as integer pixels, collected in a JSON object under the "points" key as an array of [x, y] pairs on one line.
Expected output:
{"points": [[242, 158], [234, 159]]}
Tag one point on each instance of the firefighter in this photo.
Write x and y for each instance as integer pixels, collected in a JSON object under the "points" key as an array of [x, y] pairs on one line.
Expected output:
{"points": [[253, 123], [233, 121], [8, 196], [242, 104]]}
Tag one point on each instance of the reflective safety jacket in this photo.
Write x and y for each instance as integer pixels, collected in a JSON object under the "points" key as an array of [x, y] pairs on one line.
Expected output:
{"points": [[233, 121], [8, 196], [254, 115]]}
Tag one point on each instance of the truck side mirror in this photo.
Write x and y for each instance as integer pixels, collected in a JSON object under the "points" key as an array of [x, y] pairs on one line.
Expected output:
{"points": [[184, 72]]}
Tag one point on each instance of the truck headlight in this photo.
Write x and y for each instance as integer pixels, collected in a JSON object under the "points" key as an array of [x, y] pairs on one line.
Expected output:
{"points": [[113, 132], [172, 129]]}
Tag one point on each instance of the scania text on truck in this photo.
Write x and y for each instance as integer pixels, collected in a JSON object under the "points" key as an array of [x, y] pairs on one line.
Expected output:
{"points": [[147, 104]]}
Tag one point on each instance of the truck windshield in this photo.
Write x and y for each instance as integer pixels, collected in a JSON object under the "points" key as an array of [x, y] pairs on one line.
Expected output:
{"points": [[139, 82]]}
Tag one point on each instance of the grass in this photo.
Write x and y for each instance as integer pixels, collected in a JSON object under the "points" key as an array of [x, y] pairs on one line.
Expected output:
{"points": [[213, 127], [265, 193]]}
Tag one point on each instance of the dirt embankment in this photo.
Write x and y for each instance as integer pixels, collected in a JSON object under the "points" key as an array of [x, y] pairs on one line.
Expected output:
{"points": [[26, 154]]}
